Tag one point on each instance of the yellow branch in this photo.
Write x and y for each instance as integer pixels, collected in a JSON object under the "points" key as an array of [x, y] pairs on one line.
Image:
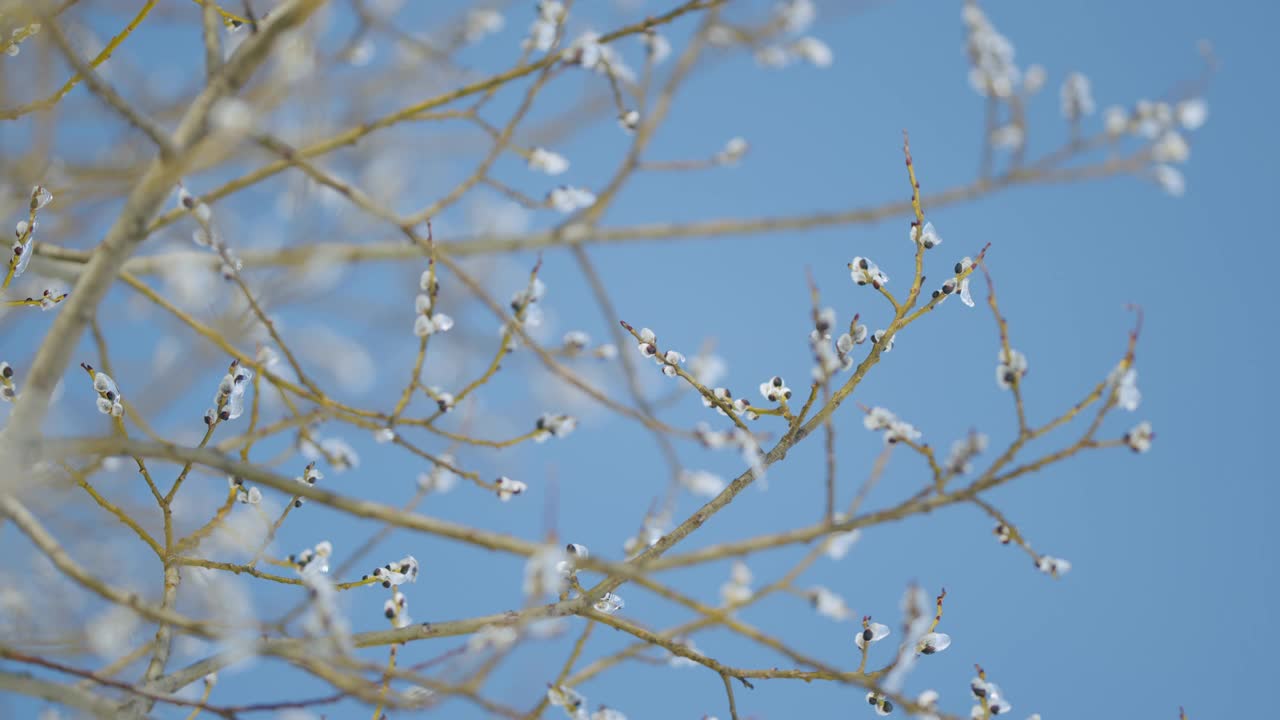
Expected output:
{"points": [[76, 78]]}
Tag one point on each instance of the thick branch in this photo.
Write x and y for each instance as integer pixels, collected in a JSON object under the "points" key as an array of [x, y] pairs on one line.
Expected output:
{"points": [[129, 230]]}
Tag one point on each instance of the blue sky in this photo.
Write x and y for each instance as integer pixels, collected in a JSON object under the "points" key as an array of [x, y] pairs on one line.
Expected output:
{"points": [[1167, 600]]}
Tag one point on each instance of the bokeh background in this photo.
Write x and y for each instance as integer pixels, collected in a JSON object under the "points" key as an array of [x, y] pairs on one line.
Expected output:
{"points": [[1167, 603]]}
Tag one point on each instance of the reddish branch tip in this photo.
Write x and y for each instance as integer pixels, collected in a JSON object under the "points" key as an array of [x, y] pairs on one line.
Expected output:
{"points": [[1137, 328], [626, 325]]}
